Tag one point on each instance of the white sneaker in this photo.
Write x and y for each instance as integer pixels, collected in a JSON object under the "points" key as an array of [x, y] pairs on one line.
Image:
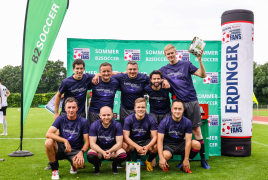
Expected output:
{"points": [[55, 174], [3, 134], [73, 170]]}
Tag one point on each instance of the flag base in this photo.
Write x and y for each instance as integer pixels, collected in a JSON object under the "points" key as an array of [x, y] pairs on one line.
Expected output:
{"points": [[236, 146], [21, 153]]}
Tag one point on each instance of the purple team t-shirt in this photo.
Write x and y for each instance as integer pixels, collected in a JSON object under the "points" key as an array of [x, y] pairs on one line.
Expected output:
{"points": [[131, 89], [106, 137], [140, 130], [174, 131], [159, 100], [72, 130], [103, 94], [180, 79], [77, 89]]}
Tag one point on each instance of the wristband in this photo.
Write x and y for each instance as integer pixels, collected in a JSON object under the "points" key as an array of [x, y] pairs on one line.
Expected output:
{"points": [[82, 151]]}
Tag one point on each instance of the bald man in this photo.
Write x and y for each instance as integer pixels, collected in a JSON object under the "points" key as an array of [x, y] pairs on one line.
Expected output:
{"points": [[106, 138]]}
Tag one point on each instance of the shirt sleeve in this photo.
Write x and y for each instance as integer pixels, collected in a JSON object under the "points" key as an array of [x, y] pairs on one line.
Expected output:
{"points": [[85, 127], [92, 131], [192, 68], [56, 123], [90, 76], [162, 127], [62, 87], [153, 124], [189, 127], [127, 124], [119, 130], [117, 76]]}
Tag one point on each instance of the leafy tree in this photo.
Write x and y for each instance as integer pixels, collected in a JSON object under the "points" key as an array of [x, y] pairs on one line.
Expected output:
{"points": [[52, 76], [261, 82], [11, 78]]}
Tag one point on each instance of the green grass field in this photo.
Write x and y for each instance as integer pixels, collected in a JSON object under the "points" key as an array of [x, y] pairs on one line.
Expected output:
{"points": [[261, 112], [39, 120]]}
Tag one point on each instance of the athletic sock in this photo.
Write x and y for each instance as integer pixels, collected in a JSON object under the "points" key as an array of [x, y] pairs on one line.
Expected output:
{"points": [[54, 165], [118, 160], [202, 150], [128, 156], [151, 156], [93, 159], [193, 153], [5, 125]]}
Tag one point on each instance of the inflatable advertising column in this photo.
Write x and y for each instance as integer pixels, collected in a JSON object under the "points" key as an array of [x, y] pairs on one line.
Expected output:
{"points": [[236, 82]]}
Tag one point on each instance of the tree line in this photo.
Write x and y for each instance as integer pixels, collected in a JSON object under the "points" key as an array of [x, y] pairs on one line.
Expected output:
{"points": [[50, 81], [54, 73]]}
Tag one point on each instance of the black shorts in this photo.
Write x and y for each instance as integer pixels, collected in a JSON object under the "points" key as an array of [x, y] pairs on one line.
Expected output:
{"points": [[159, 117], [92, 117], [4, 109], [64, 155], [192, 112], [175, 148], [143, 142], [124, 113]]}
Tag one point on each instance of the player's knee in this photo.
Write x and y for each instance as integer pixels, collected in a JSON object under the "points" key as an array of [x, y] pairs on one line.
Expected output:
{"points": [[167, 155], [49, 143], [196, 145], [121, 150]]}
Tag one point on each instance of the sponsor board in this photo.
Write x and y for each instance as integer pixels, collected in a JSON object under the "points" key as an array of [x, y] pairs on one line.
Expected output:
{"points": [[132, 55], [82, 53], [231, 125], [213, 120], [211, 78], [183, 55]]}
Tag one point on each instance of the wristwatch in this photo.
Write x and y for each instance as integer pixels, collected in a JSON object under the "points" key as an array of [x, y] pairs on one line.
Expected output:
{"points": [[82, 151]]}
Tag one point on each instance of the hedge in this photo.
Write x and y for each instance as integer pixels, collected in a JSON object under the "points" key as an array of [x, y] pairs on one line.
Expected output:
{"points": [[14, 99]]}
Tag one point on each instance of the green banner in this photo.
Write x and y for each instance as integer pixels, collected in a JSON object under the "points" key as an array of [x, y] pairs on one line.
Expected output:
{"points": [[150, 56], [42, 23]]}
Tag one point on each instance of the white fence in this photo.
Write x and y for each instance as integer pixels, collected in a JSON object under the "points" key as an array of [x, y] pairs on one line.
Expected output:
{"points": [[255, 106]]}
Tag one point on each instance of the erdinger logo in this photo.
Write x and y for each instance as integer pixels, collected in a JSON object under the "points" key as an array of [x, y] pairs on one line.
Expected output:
{"points": [[175, 74], [105, 138], [174, 132], [104, 91], [132, 87], [231, 33], [70, 133], [138, 130]]}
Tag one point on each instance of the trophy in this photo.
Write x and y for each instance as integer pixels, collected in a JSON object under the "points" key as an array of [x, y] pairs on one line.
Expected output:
{"points": [[196, 45]]}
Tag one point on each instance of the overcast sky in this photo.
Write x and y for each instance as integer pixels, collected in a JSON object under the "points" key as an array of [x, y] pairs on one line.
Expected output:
{"points": [[132, 20]]}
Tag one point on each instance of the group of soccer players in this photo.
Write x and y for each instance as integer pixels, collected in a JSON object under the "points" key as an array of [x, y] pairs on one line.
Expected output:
{"points": [[166, 131]]}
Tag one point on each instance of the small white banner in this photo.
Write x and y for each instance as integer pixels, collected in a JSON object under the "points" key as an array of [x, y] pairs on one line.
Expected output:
{"points": [[133, 170]]}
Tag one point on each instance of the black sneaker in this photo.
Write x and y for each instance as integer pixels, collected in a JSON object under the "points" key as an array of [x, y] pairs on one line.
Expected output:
{"points": [[114, 168], [119, 165]]}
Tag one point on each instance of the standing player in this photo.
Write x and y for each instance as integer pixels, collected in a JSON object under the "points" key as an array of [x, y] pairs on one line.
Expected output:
{"points": [[106, 137], [103, 93], [74, 86], [70, 143], [179, 75], [158, 97], [140, 132], [175, 138], [4, 93]]}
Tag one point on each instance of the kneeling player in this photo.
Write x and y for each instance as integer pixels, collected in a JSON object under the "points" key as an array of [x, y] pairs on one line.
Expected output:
{"points": [[175, 138], [70, 144], [140, 132], [106, 137]]}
